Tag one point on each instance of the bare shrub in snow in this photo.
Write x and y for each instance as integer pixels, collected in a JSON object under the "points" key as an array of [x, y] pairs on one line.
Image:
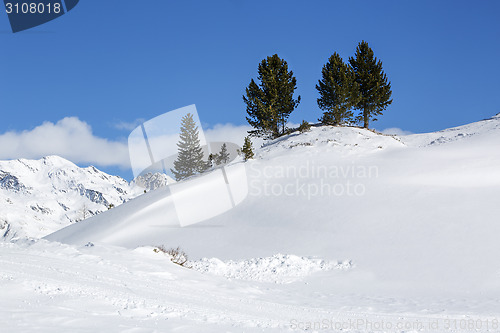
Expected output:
{"points": [[177, 256]]}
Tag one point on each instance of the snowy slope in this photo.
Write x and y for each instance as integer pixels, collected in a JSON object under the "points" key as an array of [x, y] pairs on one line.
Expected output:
{"points": [[400, 213], [487, 127], [50, 287], [38, 197], [340, 224], [148, 220]]}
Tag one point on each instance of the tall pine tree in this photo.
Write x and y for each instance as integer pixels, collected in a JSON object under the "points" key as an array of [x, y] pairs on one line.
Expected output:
{"points": [[190, 157], [338, 91], [374, 88], [270, 103]]}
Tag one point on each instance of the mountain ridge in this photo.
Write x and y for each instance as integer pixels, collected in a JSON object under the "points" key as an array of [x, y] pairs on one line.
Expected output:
{"points": [[40, 196]]}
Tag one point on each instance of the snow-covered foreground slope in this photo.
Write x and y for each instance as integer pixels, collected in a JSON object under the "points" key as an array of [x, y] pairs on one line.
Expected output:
{"points": [[371, 229], [50, 287]]}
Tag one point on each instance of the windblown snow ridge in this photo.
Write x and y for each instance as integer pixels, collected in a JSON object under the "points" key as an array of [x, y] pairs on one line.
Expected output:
{"points": [[490, 126], [279, 268]]}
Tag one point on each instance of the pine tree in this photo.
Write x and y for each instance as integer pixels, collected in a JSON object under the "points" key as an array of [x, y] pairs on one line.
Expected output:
{"points": [[270, 103], [374, 88], [223, 156], [304, 126], [190, 158], [247, 149], [338, 90]]}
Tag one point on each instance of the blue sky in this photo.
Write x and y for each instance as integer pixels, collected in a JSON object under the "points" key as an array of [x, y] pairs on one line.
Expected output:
{"points": [[105, 64]]}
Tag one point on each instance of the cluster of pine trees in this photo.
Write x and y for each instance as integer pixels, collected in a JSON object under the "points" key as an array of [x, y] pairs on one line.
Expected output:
{"points": [[359, 85], [190, 160]]}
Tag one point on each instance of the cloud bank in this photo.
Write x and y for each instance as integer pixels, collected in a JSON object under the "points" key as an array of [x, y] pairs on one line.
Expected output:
{"points": [[73, 139], [69, 138], [227, 133]]}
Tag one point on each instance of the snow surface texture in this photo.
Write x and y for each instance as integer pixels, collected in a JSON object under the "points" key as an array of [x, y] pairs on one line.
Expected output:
{"points": [[418, 220], [38, 197], [51, 287], [277, 269]]}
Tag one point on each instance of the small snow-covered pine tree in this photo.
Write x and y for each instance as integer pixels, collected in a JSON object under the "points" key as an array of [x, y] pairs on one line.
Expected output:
{"points": [[190, 159], [247, 149], [304, 126], [223, 156]]}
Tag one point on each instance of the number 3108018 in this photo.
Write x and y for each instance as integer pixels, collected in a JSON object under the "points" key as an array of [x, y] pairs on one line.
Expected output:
{"points": [[33, 8]]}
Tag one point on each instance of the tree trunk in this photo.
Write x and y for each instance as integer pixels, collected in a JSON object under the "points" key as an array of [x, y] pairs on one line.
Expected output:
{"points": [[365, 118]]}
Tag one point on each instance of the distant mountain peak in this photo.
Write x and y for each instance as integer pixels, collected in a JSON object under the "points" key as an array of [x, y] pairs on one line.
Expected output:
{"points": [[55, 159], [41, 196], [152, 181]]}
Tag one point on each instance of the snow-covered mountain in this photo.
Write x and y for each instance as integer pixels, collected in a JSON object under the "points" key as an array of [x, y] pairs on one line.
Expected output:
{"points": [[343, 229], [152, 181], [38, 197]]}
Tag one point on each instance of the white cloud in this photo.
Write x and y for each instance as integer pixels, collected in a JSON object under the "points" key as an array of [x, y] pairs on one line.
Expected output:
{"points": [[70, 138], [128, 126], [231, 133], [227, 133], [396, 131]]}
